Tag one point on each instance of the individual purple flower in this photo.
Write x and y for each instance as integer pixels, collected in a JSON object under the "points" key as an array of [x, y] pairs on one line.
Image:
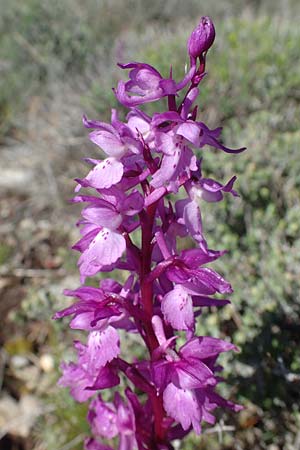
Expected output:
{"points": [[139, 121], [98, 308], [103, 417], [198, 134], [103, 242], [146, 82], [190, 407], [203, 281], [177, 157], [187, 377], [211, 190], [109, 420], [148, 85], [184, 270], [92, 370], [174, 137], [118, 142]]}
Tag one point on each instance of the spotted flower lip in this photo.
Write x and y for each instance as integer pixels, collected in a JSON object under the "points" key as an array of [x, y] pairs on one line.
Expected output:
{"points": [[144, 200], [178, 305]]}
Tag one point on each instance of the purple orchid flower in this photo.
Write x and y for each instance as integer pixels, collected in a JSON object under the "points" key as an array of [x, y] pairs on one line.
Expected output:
{"points": [[92, 373], [174, 137], [103, 242], [132, 224], [118, 141], [98, 308], [187, 377], [148, 84], [126, 420], [109, 420]]}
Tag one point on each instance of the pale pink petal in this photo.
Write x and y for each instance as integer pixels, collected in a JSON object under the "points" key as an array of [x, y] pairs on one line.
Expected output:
{"points": [[193, 374], [83, 321], [110, 143], [132, 204], [177, 308], [213, 280], [193, 222], [190, 131], [182, 405], [172, 166], [137, 123], [105, 249], [84, 243], [77, 379], [103, 216], [102, 417], [105, 174], [166, 143], [102, 347]]}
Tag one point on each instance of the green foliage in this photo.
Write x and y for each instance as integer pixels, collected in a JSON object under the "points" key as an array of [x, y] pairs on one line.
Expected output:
{"points": [[67, 426], [39, 42], [5, 253]]}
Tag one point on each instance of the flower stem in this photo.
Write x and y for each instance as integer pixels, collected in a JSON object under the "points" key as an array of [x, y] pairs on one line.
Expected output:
{"points": [[147, 220]]}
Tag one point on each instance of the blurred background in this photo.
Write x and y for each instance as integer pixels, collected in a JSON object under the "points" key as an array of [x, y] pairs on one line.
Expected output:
{"points": [[58, 61]]}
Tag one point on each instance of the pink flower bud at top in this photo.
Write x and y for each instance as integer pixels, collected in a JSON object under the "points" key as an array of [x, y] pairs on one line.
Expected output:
{"points": [[201, 38]]}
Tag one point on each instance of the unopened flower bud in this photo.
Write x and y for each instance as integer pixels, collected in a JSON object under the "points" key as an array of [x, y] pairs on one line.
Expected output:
{"points": [[201, 38]]}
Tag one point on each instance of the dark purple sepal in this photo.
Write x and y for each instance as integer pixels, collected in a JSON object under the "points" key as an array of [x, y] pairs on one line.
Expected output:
{"points": [[106, 378]]}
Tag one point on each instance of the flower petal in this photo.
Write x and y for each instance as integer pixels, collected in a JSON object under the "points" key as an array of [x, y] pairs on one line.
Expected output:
{"points": [[181, 405], [177, 308], [102, 347], [102, 417], [105, 174], [205, 347], [110, 143], [102, 216], [105, 249], [77, 379]]}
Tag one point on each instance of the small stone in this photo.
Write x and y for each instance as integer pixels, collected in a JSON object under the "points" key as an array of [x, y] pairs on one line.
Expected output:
{"points": [[18, 361], [46, 362], [18, 418]]}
